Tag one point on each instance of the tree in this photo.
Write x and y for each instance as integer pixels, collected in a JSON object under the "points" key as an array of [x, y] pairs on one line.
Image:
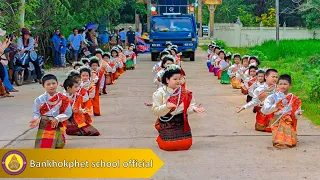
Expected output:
{"points": [[310, 11]]}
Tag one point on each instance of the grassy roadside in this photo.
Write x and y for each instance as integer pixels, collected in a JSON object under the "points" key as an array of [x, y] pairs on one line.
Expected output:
{"points": [[298, 58]]}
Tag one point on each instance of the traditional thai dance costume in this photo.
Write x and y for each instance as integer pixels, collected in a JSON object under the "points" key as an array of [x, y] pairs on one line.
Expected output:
{"points": [[250, 84], [116, 66], [80, 123], [224, 66], [172, 124], [284, 128], [99, 80], [87, 91], [234, 76], [259, 95], [45, 109], [131, 59], [103, 65]]}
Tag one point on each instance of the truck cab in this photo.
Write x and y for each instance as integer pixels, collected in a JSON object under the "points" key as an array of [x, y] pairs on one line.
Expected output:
{"points": [[176, 28]]}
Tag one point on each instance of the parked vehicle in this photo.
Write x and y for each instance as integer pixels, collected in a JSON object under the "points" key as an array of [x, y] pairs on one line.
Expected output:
{"points": [[205, 30], [24, 69], [174, 25]]}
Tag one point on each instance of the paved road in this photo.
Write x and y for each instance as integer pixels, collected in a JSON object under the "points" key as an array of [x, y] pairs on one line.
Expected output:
{"points": [[226, 146]]}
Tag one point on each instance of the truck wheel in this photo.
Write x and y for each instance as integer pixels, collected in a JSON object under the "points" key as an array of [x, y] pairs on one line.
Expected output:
{"points": [[154, 56], [192, 56], [18, 77]]}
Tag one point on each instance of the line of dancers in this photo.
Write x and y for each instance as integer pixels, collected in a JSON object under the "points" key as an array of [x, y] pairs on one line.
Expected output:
{"points": [[70, 112], [277, 110]]}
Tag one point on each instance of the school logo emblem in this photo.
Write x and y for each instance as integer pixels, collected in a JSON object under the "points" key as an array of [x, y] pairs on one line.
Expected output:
{"points": [[14, 162]]}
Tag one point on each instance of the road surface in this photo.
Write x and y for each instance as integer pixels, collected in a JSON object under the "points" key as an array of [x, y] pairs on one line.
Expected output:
{"points": [[225, 145]]}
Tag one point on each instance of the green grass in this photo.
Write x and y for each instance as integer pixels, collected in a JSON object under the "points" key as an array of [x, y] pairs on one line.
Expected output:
{"points": [[298, 58]]}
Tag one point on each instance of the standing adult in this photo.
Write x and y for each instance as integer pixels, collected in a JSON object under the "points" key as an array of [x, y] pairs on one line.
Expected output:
{"points": [[131, 38], [104, 39], [75, 40], [123, 35], [4, 92], [56, 47], [92, 39], [114, 38]]}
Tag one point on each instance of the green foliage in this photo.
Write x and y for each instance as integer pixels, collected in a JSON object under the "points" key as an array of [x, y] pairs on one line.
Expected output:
{"points": [[268, 19], [310, 11], [247, 19]]}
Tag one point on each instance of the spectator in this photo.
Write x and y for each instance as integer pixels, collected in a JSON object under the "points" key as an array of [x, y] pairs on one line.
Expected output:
{"points": [[25, 45], [63, 50], [92, 39], [5, 83], [75, 40], [138, 33], [13, 46], [131, 36], [104, 39], [114, 38], [56, 45], [123, 37]]}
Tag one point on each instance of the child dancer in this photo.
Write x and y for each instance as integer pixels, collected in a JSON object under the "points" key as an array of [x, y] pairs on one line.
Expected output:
{"points": [[241, 72], [232, 71], [51, 111], [122, 60], [87, 87], [157, 67], [224, 66], [79, 124], [286, 108], [98, 76], [214, 66], [77, 65], [172, 103], [85, 62], [131, 57], [210, 53], [254, 81], [167, 60], [259, 95], [109, 73], [221, 56], [116, 61], [249, 81]]}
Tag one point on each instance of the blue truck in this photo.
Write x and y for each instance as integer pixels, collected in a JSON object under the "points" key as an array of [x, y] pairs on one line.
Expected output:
{"points": [[176, 28]]}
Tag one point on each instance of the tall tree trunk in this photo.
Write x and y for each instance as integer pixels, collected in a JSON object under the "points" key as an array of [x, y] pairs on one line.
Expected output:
{"points": [[200, 17], [21, 13]]}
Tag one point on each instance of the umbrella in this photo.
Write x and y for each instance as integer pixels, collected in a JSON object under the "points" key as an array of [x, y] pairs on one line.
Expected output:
{"points": [[92, 26]]}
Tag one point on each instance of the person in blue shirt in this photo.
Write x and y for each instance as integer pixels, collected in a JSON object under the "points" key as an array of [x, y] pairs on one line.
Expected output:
{"points": [[104, 39], [123, 36], [75, 40], [63, 50], [56, 46]]}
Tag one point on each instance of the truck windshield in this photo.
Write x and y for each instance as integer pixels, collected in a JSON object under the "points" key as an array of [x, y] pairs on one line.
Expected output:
{"points": [[164, 24]]}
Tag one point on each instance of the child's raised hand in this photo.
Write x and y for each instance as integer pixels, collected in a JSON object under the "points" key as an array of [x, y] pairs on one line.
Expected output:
{"points": [[240, 109], [54, 123], [34, 123]]}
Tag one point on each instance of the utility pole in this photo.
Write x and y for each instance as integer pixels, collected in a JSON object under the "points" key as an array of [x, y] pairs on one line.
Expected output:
{"points": [[200, 17], [22, 13], [277, 22], [149, 14]]}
